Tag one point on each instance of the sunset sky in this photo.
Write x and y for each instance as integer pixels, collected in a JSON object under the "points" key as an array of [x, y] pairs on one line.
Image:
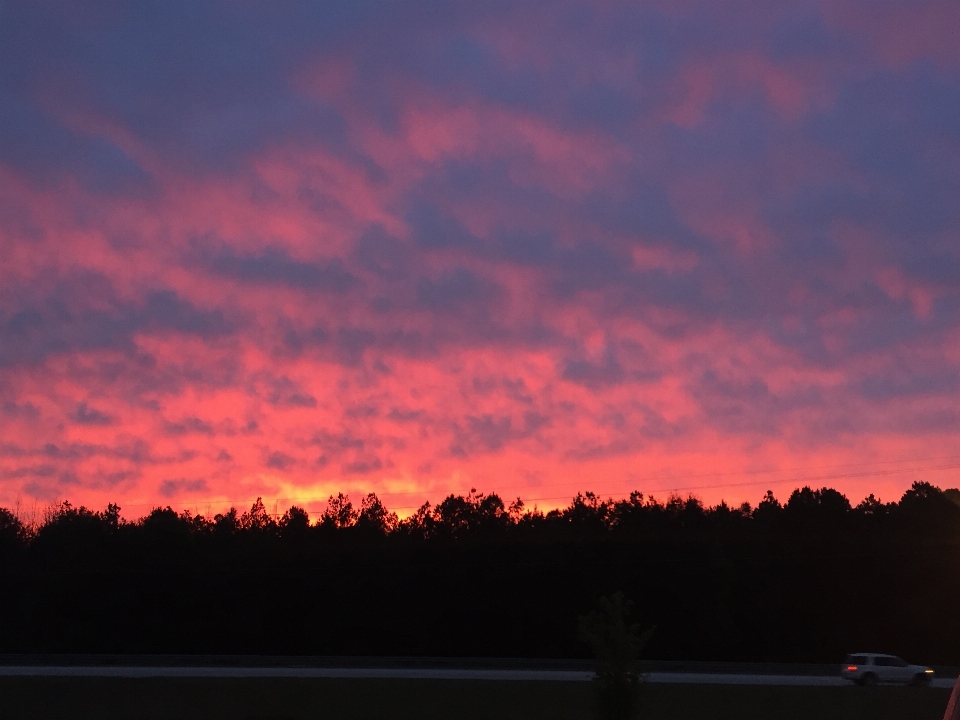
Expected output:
{"points": [[289, 249]]}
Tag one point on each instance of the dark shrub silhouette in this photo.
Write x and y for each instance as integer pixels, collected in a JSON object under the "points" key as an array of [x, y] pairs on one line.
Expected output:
{"points": [[616, 643]]}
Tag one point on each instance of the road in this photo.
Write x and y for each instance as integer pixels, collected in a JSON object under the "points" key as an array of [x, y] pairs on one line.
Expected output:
{"points": [[419, 674]]}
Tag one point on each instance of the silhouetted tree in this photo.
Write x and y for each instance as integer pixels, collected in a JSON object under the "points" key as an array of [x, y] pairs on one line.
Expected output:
{"points": [[768, 510], [927, 510], [871, 507], [257, 518], [76, 534], [339, 513], [295, 522], [13, 536], [587, 513], [616, 643], [374, 517], [458, 515], [953, 495], [11, 529], [420, 523], [822, 503], [165, 535], [808, 580], [226, 523]]}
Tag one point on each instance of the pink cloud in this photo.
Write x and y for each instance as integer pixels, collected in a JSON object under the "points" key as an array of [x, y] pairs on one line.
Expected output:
{"points": [[902, 34], [589, 263]]}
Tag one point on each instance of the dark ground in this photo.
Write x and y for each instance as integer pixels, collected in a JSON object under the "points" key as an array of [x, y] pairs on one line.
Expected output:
{"points": [[288, 699]]}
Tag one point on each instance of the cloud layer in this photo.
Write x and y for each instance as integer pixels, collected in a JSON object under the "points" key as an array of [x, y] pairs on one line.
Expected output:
{"points": [[532, 248]]}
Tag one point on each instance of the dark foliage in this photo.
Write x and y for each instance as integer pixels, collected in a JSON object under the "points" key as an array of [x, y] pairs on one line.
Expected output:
{"points": [[616, 643], [807, 580]]}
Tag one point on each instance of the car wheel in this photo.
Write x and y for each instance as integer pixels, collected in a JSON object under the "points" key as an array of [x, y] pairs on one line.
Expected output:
{"points": [[920, 680], [868, 679]]}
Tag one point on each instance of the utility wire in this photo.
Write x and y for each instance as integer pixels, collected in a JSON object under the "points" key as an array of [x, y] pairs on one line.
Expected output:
{"points": [[508, 492]]}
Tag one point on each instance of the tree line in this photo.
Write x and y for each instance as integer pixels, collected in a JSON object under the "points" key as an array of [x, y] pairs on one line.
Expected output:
{"points": [[809, 579]]}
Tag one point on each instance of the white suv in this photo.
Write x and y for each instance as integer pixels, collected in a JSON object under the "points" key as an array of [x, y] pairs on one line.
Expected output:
{"points": [[873, 668]]}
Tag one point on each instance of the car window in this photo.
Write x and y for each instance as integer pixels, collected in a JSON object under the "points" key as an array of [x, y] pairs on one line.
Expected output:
{"points": [[898, 662], [883, 661]]}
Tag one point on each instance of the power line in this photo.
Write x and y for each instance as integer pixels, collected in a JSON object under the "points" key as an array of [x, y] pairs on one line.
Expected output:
{"points": [[719, 486]]}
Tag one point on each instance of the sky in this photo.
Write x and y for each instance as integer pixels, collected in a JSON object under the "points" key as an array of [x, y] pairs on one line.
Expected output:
{"points": [[412, 248]]}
